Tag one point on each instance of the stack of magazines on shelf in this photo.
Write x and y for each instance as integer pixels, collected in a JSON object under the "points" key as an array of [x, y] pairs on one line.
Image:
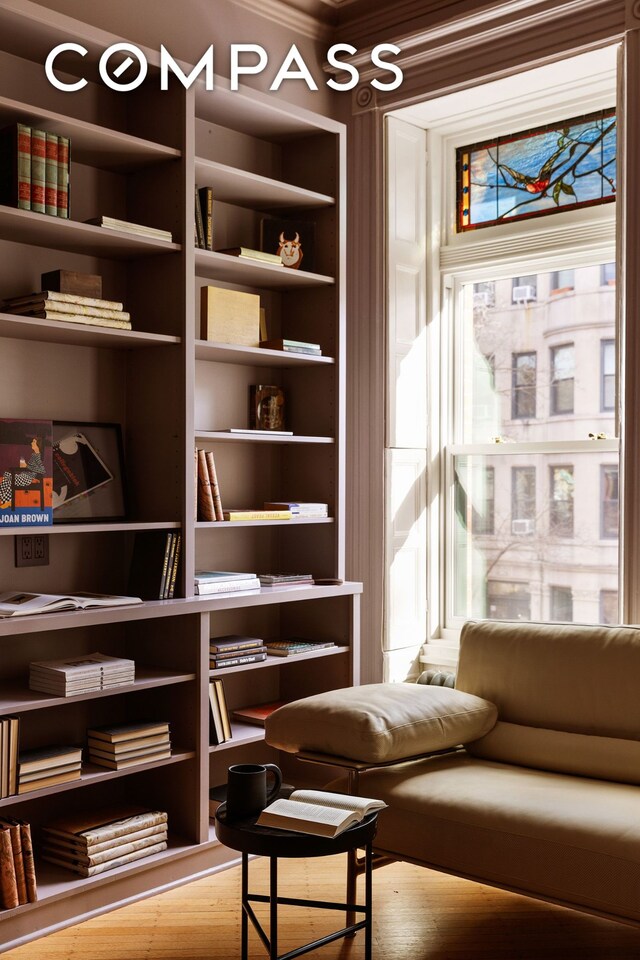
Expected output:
{"points": [[126, 745], [234, 650], [292, 645], [101, 840], [48, 766], [83, 674], [286, 579], [18, 876], [126, 226], [214, 582]]}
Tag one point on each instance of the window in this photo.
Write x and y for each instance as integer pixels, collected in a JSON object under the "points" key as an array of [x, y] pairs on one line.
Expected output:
{"points": [[609, 502], [609, 606], [561, 604], [607, 274], [524, 289], [607, 375], [562, 165], [561, 501], [523, 397], [562, 370], [523, 500], [483, 519], [562, 280], [508, 601]]}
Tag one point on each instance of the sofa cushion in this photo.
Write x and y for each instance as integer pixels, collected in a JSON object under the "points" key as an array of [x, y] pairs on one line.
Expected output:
{"points": [[567, 695], [569, 839], [380, 721]]}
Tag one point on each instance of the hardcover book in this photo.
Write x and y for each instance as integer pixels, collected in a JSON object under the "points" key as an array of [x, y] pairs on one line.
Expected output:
{"points": [[26, 470], [318, 812], [257, 714]]}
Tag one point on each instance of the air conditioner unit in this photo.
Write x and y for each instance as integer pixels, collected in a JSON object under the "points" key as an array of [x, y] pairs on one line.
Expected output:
{"points": [[524, 294], [522, 527]]}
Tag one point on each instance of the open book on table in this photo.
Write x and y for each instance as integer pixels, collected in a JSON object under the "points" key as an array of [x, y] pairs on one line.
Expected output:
{"points": [[17, 604], [318, 812]]}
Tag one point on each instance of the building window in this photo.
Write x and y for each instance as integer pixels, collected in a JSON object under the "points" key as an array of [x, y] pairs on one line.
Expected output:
{"points": [[561, 501], [561, 604], [607, 375], [562, 378], [607, 274], [609, 606], [609, 517], [562, 280], [523, 385], [508, 601], [560, 166], [483, 515], [523, 500]]}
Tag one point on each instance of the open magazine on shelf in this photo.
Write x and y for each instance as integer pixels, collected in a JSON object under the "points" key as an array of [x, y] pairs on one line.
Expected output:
{"points": [[20, 604]]}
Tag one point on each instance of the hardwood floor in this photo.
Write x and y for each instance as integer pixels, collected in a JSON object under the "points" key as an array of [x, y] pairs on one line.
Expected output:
{"points": [[418, 915]]}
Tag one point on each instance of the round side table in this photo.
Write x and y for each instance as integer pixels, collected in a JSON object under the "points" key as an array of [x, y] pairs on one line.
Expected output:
{"points": [[249, 839]]}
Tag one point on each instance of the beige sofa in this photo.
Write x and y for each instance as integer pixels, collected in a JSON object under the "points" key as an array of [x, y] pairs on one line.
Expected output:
{"points": [[544, 797]]}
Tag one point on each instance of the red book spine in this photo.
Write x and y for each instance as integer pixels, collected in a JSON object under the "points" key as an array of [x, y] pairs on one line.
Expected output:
{"points": [[38, 169], [63, 177], [51, 176], [24, 167]]}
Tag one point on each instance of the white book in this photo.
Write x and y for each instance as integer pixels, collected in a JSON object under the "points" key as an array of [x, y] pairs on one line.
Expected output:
{"points": [[231, 586], [17, 604], [318, 812]]}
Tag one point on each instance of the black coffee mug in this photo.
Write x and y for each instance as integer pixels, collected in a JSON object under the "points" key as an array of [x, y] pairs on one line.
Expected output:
{"points": [[247, 789]]}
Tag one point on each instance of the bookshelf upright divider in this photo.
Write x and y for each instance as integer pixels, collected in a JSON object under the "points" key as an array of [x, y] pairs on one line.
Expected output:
{"points": [[138, 157]]}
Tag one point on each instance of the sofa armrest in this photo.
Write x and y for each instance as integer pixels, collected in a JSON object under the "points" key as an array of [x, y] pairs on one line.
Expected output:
{"points": [[380, 723]]}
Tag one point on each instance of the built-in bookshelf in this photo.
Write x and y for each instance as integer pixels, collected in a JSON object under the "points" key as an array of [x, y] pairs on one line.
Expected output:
{"points": [[139, 157]]}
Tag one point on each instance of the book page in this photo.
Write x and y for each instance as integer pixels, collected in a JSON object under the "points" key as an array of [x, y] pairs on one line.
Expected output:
{"points": [[340, 801], [312, 812]]}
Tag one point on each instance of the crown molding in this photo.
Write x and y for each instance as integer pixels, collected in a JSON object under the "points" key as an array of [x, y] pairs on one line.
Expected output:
{"points": [[311, 18]]}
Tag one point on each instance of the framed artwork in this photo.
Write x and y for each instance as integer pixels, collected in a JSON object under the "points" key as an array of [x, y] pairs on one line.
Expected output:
{"points": [[88, 472], [291, 240], [558, 167]]}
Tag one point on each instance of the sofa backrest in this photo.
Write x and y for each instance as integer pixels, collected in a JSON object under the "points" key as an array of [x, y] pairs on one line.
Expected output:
{"points": [[568, 696]]}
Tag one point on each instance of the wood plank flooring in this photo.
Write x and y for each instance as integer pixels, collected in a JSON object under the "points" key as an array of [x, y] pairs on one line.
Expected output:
{"points": [[418, 915]]}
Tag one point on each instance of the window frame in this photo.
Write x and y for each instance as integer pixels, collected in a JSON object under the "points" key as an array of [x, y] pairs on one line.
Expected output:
{"points": [[604, 343], [553, 380], [604, 467], [520, 389]]}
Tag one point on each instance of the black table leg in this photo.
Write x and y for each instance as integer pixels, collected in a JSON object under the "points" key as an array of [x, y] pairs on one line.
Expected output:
{"points": [[368, 892], [273, 908], [245, 919]]}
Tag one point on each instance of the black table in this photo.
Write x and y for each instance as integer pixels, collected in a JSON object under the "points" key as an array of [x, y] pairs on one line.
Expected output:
{"points": [[245, 836]]}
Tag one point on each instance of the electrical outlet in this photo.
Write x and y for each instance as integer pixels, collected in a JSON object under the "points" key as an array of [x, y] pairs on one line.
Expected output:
{"points": [[32, 551]]}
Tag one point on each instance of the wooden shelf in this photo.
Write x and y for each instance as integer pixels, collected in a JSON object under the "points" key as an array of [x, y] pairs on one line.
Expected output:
{"points": [[280, 661], [255, 273], [18, 698], [40, 230], [79, 334], [91, 773], [224, 437], [255, 356], [233, 185], [92, 144], [100, 527], [234, 524], [243, 733]]}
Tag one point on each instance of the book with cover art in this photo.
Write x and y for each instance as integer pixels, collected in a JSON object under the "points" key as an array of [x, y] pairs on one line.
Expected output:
{"points": [[318, 812], [26, 473]]}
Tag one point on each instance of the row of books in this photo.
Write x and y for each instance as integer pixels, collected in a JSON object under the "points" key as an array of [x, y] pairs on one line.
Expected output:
{"points": [[155, 564], [69, 308], [9, 741], [95, 842], [84, 674], [208, 500], [204, 218], [115, 747], [17, 867], [220, 724], [34, 170]]}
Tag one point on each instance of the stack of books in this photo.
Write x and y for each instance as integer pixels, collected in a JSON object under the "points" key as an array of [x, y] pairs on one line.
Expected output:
{"points": [[18, 873], [125, 745], [75, 675], [301, 511], [220, 725], [34, 167], [69, 308], [208, 502], [246, 253], [137, 229], [48, 767], [292, 346], [287, 648], [285, 579], [204, 218], [234, 650], [101, 840], [9, 738], [213, 582]]}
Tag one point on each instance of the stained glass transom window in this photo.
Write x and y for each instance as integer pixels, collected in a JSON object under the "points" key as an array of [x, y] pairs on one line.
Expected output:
{"points": [[562, 166]]}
